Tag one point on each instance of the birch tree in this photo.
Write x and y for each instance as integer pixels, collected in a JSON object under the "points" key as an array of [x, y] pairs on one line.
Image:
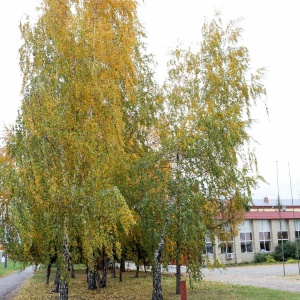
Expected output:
{"points": [[209, 94], [79, 65]]}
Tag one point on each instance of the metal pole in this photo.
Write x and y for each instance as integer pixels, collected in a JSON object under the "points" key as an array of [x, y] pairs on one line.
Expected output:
{"points": [[279, 209], [5, 261], [178, 242], [296, 241]]}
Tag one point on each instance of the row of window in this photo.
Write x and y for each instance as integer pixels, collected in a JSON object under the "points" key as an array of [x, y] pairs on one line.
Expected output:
{"points": [[246, 240]]}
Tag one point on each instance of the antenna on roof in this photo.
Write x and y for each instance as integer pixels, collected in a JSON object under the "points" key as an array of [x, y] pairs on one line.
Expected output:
{"points": [[279, 209], [296, 240]]}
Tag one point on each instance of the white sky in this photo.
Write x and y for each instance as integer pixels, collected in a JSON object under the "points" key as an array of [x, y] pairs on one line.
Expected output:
{"points": [[271, 33]]}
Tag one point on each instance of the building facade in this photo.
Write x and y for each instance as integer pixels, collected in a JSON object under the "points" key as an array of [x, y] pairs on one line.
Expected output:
{"points": [[263, 228]]}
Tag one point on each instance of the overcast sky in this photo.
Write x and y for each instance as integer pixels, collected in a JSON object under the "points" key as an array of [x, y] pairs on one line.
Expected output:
{"points": [[271, 33]]}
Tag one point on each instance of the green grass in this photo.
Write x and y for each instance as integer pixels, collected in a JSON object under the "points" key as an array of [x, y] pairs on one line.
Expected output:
{"points": [[141, 289], [11, 267], [217, 290]]}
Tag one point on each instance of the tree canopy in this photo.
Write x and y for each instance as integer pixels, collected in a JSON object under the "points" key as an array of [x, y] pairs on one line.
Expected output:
{"points": [[79, 64], [101, 159], [208, 97]]}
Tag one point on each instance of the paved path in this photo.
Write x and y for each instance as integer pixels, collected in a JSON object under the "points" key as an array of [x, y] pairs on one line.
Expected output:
{"points": [[10, 284], [268, 276]]}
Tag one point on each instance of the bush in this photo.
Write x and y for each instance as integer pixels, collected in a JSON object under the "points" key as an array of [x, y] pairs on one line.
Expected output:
{"points": [[260, 257], [291, 261], [270, 259], [264, 257], [289, 249]]}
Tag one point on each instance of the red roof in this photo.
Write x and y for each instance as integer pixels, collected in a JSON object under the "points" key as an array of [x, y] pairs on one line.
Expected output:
{"points": [[271, 215]]}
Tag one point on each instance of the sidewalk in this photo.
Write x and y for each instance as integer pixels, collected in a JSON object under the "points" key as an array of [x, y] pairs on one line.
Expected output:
{"points": [[9, 285]]}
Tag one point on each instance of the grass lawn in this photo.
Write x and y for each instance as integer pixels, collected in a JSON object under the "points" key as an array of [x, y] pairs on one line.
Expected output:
{"points": [[11, 267], [141, 289]]}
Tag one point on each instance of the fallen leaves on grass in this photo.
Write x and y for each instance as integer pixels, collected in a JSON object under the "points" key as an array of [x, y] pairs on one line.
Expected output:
{"points": [[130, 289]]}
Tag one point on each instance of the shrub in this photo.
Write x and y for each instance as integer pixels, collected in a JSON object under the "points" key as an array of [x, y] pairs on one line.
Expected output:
{"points": [[260, 257], [291, 261], [270, 259], [289, 249]]}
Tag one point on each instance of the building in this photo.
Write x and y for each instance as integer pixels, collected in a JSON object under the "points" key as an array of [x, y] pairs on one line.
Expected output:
{"points": [[265, 226]]}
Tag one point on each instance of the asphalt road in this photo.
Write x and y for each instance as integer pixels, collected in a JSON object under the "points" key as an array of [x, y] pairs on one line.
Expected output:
{"points": [[10, 284]]}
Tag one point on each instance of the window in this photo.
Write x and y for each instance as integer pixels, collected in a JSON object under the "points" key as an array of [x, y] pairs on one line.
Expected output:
{"points": [[226, 247], [246, 237], [264, 235], [282, 231], [282, 236], [246, 242], [209, 249], [297, 229]]}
